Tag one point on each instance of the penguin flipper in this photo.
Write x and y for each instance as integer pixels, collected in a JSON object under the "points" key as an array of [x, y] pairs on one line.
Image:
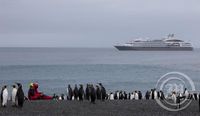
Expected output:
{"points": [[1, 96]]}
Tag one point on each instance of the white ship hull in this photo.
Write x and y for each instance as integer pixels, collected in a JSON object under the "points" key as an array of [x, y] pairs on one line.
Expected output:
{"points": [[154, 48]]}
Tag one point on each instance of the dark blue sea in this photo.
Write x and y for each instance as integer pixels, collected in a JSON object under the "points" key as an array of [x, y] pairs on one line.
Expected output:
{"points": [[55, 68]]}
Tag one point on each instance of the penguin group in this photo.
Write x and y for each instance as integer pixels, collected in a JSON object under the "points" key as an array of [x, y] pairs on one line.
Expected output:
{"points": [[123, 95], [17, 96], [98, 92], [91, 93], [154, 94]]}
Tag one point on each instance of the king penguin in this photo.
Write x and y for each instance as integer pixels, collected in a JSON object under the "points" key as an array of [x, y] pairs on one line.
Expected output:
{"points": [[93, 94], [4, 96], [20, 95], [76, 92], [136, 95], [103, 92], [81, 93], [14, 92], [111, 96], [132, 96], [155, 94]]}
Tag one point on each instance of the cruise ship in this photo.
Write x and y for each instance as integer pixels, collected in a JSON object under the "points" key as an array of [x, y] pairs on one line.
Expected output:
{"points": [[170, 43]]}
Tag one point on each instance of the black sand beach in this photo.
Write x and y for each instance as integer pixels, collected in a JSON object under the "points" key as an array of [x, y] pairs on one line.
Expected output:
{"points": [[85, 108]]}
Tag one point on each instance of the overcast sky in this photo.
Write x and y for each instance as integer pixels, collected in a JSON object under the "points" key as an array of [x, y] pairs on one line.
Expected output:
{"points": [[95, 23]]}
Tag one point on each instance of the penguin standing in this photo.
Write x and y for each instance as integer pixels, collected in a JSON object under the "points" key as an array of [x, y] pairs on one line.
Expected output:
{"points": [[125, 95], [81, 93], [13, 97], [93, 94], [140, 95], [111, 96], [20, 95], [120, 95], [162, 96], [98, 92], [132, 96], [117, 94], [136, 95], [147, 95], [186, 93], [76, 92], [129, 96], [152, 94], [4, 96], [103, 92], [87, 91], [174, 97], [69, 93], [155, 94]]}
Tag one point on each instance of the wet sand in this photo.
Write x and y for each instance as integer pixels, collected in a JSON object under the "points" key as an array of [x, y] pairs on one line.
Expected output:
{"points": [[85, 108]]}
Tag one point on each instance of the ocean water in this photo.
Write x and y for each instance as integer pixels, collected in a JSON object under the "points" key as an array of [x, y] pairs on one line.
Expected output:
{"points": [[55, 68]]}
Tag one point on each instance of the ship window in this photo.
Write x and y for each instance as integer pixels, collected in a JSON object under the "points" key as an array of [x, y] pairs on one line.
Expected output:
{"points": [[174, 40]]}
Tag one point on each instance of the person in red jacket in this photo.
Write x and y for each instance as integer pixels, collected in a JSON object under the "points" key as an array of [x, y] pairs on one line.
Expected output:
{"points": [[34, 94], [31, 93], [40, 94]]}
